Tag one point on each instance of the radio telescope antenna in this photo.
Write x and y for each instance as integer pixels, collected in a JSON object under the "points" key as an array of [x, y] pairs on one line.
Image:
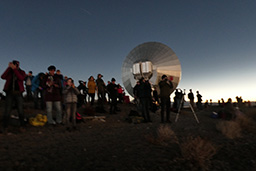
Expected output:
{"points": [[150, 60]]}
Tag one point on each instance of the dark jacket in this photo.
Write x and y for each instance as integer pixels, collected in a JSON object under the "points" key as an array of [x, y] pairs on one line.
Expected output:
{"points": [[144, 90], [136, 90], [165, 88], [112, 89], [8, 76], [101, 85], [191, 96], [52, 93]]}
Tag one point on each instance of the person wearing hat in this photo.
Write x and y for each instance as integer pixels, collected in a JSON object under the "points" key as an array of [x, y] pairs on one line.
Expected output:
{"points": [[112, 89], [166, 87], [52, 86], [13, 88]]}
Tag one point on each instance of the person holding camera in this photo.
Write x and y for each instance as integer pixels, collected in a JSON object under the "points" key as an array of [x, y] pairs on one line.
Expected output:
{"points": [[13, 88], [166, 87], [52, 86], [70, 93]]}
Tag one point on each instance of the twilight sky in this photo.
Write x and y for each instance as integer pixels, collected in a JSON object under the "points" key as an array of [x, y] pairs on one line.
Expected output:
{"points": [[215, 41]]}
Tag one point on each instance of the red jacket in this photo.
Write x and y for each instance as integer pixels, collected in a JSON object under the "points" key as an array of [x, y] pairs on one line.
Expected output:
{"points": [[7, 75]]}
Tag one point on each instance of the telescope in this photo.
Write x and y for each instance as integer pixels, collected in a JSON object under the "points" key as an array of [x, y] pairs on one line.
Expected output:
{"points": [[150, 60]]}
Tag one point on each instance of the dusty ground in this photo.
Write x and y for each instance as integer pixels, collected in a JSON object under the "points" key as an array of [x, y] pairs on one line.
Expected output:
{"points": [[121, 146]]}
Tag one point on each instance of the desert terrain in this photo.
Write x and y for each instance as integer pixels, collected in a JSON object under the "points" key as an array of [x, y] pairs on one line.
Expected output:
{"points": [[115, 144]]}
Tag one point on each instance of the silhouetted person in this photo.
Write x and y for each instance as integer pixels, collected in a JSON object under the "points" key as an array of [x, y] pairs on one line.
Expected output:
{"points": [[191, 98], [83, 93], [155, 95], [13, 88], [136, 95], [199, 101], [210, 102], [206, 104], [178, 102], [112, 89], [28, 83], [37, 89], [101, 92], [239, 101], [58, 73], [166, 87], [136, 90], [145, 98]]}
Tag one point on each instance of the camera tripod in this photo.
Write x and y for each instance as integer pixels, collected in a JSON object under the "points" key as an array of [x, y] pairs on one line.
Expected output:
{"points": [[179, 109]]}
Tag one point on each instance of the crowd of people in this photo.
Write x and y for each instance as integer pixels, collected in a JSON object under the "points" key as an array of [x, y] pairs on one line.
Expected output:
{"points": [[51, 90]]}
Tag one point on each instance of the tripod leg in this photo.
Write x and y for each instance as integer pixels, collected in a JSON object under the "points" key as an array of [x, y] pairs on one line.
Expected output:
{"points": [[177, 115], [194, 113]]}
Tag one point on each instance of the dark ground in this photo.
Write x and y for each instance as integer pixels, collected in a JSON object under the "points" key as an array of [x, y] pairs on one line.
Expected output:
{"points": [[119, 145]]}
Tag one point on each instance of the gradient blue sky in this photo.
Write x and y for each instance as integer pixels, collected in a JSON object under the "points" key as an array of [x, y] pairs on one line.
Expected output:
{"points": [[215, 40]]}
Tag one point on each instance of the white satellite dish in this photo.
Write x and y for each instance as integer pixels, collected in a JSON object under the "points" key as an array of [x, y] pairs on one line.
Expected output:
{"points": [[150, 60]]}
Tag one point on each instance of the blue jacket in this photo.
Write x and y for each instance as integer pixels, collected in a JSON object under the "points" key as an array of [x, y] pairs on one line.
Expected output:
{"points": [[36, 82]]}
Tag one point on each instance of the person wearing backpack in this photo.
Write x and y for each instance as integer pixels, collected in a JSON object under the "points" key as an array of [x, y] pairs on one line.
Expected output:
{"points": [[70, 93]]}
